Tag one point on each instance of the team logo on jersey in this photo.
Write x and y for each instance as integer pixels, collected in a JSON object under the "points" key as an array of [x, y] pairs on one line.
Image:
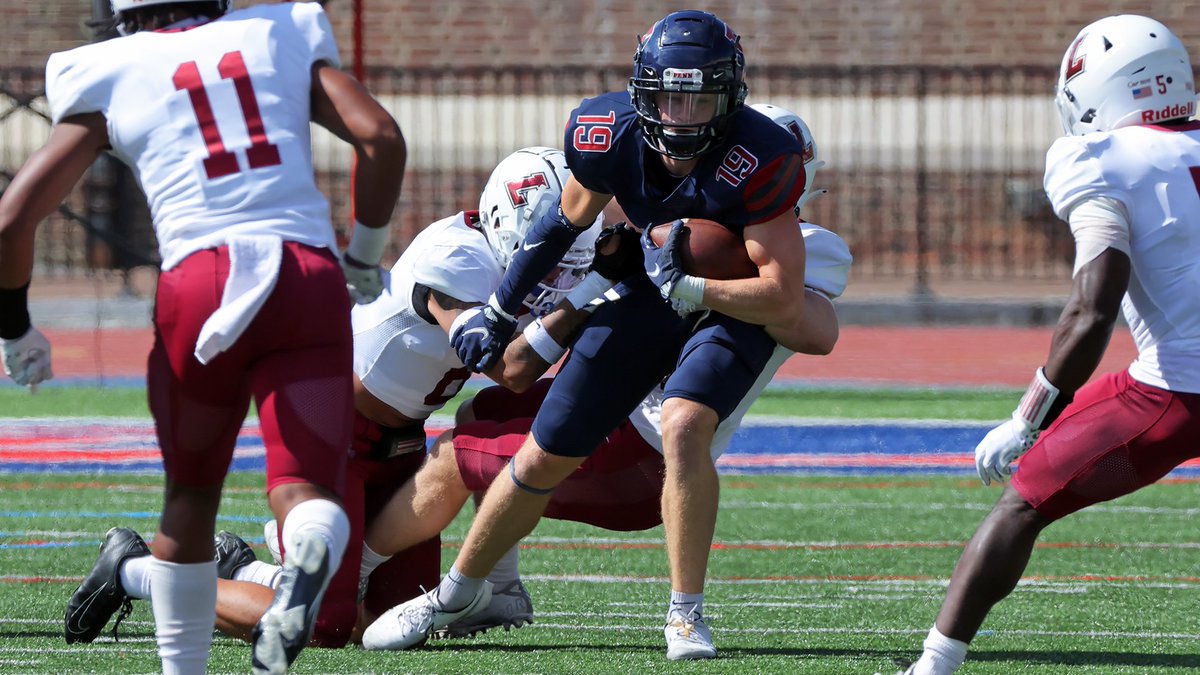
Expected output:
{"points": [[518, 190], [738, 164]]}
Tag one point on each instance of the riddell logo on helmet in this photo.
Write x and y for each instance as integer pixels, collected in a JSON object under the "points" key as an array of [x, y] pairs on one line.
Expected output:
{"points": [[1170, 112]]}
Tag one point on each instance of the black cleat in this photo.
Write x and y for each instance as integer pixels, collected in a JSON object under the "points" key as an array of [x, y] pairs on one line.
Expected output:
{"points": [[286, 626], [100, 595], [233, 553]]}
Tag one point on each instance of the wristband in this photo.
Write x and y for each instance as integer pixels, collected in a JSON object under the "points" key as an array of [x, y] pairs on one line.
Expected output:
{"points": [[462, 318], [593, 286], [1038, 401], [14, 312], [367, 243], [689, 289], [543, 343], [495, 305]]}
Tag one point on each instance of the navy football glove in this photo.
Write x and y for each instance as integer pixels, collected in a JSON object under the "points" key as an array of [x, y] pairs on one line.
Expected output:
{"points": [[662, 263], [482, 335]]}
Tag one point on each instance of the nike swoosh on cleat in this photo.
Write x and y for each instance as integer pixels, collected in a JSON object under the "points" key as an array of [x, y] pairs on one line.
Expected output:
{"points": [[82, 610], [655, 272]]}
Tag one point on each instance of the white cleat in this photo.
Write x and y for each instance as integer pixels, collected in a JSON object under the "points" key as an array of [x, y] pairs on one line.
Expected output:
{"points": [[286, 626], [412, 623], [688, 637], [511, 607]]}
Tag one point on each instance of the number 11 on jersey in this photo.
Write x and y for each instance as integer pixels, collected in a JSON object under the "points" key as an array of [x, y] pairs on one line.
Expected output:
{"points": [[220, 162]]}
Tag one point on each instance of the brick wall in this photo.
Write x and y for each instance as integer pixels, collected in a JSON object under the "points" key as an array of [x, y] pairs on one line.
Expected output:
{"points": [[534, 32]]}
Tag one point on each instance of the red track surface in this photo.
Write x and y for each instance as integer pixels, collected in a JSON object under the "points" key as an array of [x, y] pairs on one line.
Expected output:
{"points": [[987, 357]]}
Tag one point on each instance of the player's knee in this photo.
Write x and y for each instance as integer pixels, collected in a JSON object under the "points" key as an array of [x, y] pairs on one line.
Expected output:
{"points": [[1013, 510], [537, 471], [688, 428]]}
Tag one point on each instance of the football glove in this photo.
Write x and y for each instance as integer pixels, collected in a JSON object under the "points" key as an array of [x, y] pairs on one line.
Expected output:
{"points": [[623, 262], [479, 336], [1002, 445], [27, 358], [663, 266], [364, 282]]}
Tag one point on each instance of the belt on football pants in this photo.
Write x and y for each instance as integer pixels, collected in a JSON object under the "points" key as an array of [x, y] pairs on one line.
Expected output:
{"points": [[395, 441]]}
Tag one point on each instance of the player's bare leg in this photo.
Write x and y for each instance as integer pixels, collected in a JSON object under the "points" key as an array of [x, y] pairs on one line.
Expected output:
{"points": [[988, 570], [691, 493], [240, 604], [510, 510], [424, 506]]}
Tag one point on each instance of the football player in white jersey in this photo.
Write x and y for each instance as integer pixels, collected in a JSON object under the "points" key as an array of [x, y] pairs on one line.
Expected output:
{"points": [[211, 110], [1125, 179], [618, 487]]}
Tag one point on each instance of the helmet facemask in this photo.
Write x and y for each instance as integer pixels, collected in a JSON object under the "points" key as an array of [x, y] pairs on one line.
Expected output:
{"points": [[687, 83]]}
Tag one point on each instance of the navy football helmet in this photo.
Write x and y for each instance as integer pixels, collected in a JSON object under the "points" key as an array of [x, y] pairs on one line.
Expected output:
{"points": [[688, 80]]}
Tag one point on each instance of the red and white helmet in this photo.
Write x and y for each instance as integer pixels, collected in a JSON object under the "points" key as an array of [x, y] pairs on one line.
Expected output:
{"points": [[522, 188], [1121, 71], [794, 125]]}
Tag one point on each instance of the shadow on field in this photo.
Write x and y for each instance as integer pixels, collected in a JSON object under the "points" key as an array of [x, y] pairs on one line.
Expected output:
{"points": [[1086, 658]]}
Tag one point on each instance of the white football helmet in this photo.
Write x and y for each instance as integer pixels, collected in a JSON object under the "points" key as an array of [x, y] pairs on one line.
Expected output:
{"points": [[521, 189], [1121, 71], [791, 122]]}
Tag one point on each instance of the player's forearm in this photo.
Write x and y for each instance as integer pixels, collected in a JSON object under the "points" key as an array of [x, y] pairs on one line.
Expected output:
{"points": [[816, 334], [761, 300], [525, 363], [378, 177]]}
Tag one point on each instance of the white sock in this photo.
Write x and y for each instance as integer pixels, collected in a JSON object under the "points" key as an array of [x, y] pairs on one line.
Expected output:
{"points": [[322, 518], [184, 600], [457, 591], [505, 571], [686, 604], [135, 576], [370, 560], [259, 572], [942, 655]]}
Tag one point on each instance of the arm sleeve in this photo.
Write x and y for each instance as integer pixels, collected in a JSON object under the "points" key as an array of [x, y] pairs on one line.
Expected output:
{"points": [[74, 86], [1098, 223]]}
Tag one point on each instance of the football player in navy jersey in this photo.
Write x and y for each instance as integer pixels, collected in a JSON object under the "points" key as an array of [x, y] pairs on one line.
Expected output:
{"points": [[678, 144]]}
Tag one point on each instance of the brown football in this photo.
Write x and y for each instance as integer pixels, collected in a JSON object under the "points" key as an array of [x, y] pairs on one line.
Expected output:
{"points": [[708, 249]]}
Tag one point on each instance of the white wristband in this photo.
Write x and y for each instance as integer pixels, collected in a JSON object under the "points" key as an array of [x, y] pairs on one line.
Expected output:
{"points": [[689, 289], [1037, 401], [462, 318], [542, 343], [495, 305], [592, 287], [367, 243]]}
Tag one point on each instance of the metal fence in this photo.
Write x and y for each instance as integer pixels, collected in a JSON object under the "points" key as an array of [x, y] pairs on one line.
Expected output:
{"points": [[934, 173]]}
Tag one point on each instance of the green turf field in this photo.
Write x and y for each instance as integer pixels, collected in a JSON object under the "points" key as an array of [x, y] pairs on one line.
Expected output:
{"points": [[820, 575]]}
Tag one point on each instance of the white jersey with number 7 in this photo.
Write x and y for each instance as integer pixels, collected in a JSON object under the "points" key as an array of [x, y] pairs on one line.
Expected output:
{"points": [[214, 121]]}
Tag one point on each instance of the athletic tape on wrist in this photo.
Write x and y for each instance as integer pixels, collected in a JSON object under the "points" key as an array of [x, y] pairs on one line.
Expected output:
{"points": [[543, 343], [367, 243], [495, 305], [593, 286], [689, 289], [1038, 401]]}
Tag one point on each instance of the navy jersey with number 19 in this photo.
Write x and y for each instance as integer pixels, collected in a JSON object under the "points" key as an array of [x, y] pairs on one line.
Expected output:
{"points": [[754, 175]]}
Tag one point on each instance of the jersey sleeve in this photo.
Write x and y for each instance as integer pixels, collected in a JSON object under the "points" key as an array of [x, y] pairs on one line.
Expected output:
{"points": [[461, 272], [774, 188], [75, 85], [590, 143], [1075, 172], [313, 24]]}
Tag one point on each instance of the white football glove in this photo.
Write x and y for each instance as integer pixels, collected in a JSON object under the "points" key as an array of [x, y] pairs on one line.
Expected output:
{"points": [[364, 282], [996, 452], [27, 359]]}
